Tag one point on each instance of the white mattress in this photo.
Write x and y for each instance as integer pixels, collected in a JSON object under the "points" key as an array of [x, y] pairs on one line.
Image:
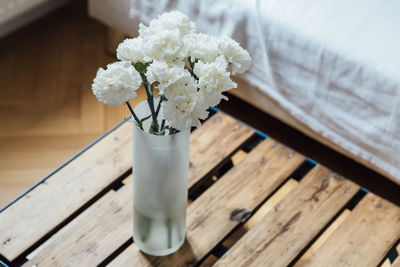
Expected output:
{"points": [[334, 65]]}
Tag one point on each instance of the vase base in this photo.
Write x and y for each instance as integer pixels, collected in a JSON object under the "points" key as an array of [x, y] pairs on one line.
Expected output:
{"points": [[158, 252]]}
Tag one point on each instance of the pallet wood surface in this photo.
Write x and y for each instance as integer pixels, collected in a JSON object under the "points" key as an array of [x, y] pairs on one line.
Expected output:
{"points": [[239, 190], [396, 263], [293, 222], [53, 201], [254, 202], [373, 226], [223, 135]]}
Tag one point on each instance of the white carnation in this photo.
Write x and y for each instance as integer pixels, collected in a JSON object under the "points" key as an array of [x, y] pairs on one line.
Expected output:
{"points": [[201, 46], [161, 44], [131, 49], [214, 79], [176, 20], [184, 106], [165, 74], [116, 84], [234, 54]]}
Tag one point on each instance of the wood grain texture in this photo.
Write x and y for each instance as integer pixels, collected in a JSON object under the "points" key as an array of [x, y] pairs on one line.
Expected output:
{"points": [[293, 222], [210, 261], [257, 97], [224, 136], [396, 263], [386, 263], [50, 203], [59, 249], [227, 203], [114, 38], [324, 236], [93, 235], [47, 110], [373, 226], [238, 157], [264, 209]]}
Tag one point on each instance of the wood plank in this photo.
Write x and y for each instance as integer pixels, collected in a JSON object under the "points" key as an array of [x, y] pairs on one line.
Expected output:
{"points": [[292, 224], [38, 212], [210, 261], [62, 242], [364, 238], [114, 38], [238, 157], [318, 243], [264, 209], [217, 139], [53, 239], [92, 236], [126, 256], [93, 171], [396, 263], [386, 263], [212, 215], [257, 97]]}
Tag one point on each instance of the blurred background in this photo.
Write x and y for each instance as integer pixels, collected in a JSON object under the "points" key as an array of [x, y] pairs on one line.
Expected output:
{"points": [[47, 110]]}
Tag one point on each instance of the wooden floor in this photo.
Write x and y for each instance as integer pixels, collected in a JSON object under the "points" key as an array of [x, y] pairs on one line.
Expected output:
{"points": [[47, 110]]}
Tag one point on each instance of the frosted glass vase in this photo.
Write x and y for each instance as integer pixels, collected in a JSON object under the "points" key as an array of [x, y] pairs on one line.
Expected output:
{"points": [[160, 188]]}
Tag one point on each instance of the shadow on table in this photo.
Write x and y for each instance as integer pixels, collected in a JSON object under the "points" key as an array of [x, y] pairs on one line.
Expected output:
{"points": [[183, 257]]}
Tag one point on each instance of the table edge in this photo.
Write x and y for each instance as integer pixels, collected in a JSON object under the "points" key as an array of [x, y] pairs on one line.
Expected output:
{"points": [[65, 163]]}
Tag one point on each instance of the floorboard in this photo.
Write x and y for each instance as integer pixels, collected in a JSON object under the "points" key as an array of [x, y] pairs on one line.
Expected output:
{"points": [[47, 110]]}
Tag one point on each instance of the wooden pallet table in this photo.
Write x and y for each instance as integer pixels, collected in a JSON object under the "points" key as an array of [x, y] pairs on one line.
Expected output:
{"points": [[253, 202]]}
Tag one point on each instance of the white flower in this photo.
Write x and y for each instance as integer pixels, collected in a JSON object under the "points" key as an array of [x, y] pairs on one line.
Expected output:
{"points": [[201, 46], [161, 44], [184, 106], [131, 49], [176, 20], [214, 79], [163, 37], [234, 54], [165, 74], [116, 84]]}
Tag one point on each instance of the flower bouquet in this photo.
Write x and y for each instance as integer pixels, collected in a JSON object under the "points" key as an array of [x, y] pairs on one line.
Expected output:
{"points": [[184, 74]]}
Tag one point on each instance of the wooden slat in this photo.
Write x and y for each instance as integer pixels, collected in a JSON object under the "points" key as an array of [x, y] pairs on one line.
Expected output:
{"points": [[318, 243], [396, 263], [238, 157], [93, 235], [287, 229], [386, 263], [210, 217], [52, 202], [215, 140], [264, 209], [38, 212], [53, 238], [210, 261], [364, 238], [62, 241]]}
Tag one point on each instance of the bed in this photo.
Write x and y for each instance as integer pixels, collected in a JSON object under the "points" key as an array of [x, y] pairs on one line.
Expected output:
{"points": [[330, 69]]}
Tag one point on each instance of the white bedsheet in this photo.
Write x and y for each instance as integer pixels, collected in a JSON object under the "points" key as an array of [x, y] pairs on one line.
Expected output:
{"points": [[334, 65]]}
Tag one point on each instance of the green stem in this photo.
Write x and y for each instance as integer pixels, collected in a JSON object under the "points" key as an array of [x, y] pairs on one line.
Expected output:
{"points": [[192, 67], [139, 123], [151, 90], [162, 124], [173, 131], [169, 231], [159, 107], [154, 125]]}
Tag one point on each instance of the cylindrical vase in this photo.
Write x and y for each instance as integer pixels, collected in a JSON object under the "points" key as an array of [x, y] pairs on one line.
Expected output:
{"points": [[160, 187]]}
